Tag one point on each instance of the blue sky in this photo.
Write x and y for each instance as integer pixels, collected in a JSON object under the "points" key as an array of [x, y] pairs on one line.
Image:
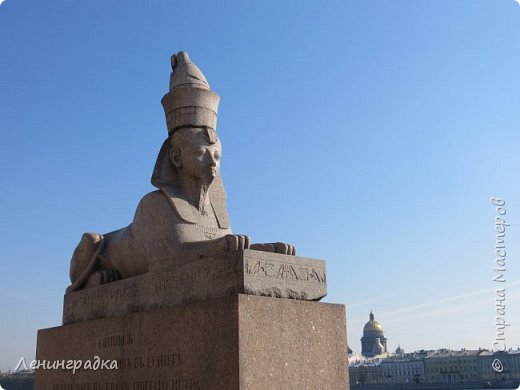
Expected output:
{"points": [[370, 134]]}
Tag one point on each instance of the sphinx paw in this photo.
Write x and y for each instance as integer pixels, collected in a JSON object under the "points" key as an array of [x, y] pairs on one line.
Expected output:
{"points": [[275, 247], [284, 249], [236, 242]]}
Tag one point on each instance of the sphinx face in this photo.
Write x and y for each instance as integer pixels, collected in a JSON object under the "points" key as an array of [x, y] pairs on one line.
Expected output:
{"points": [[199, 159]]}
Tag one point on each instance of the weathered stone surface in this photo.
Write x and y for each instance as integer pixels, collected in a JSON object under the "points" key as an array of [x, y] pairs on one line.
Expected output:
{"points": [[187, 217], [248, 271], [282, 276], [239, 342], [287, 344]]}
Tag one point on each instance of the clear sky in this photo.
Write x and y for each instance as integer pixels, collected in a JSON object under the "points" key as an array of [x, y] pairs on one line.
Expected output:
{"points": [[370, 134]]}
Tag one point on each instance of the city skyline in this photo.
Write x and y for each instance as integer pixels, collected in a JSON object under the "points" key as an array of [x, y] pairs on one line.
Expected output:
{"points": [[371, 135]]}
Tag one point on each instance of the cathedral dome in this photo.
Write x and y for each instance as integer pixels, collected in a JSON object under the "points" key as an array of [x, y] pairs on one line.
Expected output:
{"points": [[373, 342], [372, 325]]}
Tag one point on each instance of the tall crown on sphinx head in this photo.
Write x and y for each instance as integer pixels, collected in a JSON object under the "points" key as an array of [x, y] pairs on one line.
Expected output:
{"points": [[190, 102]]}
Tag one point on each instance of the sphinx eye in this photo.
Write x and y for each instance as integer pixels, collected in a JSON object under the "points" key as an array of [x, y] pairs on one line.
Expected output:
{"points": [[217, 156]]}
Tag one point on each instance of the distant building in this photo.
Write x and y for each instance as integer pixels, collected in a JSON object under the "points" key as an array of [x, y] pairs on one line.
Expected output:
{"points": [[445, 366], [403, 369], [367, 373], [373, 342], [506, 366]]}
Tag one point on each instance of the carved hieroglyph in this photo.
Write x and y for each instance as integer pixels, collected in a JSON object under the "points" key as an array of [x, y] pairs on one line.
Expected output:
{"points": [[185, 219], [248, 272]]}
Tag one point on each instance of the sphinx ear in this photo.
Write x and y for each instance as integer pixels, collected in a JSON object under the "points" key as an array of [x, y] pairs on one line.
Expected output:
{"points": [[175, 157]]}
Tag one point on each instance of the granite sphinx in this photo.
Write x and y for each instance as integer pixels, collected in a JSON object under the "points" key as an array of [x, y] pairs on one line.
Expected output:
{"points": [[178, 300], [186, 218]]}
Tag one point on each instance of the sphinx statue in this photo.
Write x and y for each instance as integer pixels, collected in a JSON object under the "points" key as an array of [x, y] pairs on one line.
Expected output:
{"points": [[186, 217]]}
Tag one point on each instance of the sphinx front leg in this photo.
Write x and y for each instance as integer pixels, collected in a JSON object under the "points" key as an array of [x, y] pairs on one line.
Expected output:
{"points": [[227, 243], [275, 247]]}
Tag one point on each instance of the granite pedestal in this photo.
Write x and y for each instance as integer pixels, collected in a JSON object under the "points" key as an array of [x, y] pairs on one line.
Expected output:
{"points": [[238, 342], [247, 320]]}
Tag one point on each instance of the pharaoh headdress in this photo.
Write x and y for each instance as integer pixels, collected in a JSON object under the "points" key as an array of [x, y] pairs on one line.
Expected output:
{"points": [[189, 103]]}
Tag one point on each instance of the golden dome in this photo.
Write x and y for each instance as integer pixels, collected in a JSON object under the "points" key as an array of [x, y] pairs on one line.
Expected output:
{"points": [[372, 325]]}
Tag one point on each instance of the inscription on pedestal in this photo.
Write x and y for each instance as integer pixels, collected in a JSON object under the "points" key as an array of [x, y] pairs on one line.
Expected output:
{"points": [[163, 364], [248, 272], [279, 270], [174, 384], [168, 349], [284, 276]]}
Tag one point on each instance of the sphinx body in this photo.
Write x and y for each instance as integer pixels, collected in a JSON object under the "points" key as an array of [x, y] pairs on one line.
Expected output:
{"points": [[186, 218]]}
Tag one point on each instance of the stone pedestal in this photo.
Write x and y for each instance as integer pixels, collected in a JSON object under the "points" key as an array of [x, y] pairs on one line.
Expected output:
{"points": [[233, 342], [245, 272]]}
